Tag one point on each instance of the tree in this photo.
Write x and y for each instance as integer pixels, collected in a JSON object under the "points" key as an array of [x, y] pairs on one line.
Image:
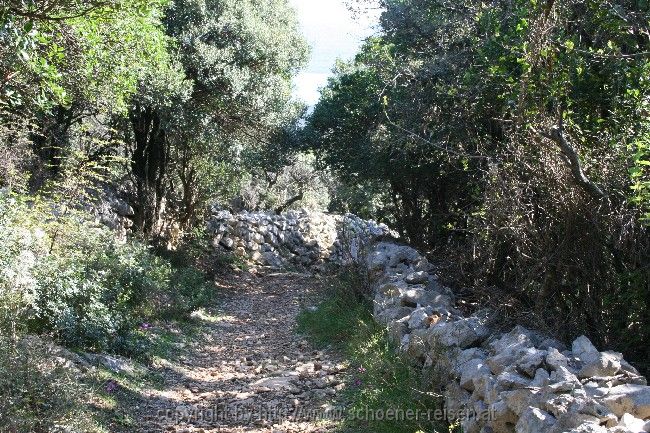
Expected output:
{"points": [[239, 57], [512, 136], [73, 69]]}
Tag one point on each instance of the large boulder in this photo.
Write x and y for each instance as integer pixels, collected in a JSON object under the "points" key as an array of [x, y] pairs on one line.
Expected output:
{"points": [[584, 350], [604, 364], [461, 333], [632, 399]]}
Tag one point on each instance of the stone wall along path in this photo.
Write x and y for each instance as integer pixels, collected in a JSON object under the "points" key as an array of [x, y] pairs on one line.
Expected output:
{"points": [[527, 382]]}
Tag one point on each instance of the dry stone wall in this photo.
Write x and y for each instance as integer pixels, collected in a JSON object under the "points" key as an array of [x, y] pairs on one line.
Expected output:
{"points": [[294, 239], [519, 381]]}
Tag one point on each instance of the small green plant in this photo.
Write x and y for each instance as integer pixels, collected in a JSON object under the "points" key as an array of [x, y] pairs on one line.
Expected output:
{"points": [[380, 378], [227, 261], [339, 317]]}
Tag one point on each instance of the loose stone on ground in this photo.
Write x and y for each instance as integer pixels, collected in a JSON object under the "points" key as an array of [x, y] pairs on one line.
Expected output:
{"points": [[252, 372]]}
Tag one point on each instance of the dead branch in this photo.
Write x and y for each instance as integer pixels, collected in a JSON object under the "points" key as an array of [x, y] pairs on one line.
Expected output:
{"points": [[556, 135], [289, 202]]}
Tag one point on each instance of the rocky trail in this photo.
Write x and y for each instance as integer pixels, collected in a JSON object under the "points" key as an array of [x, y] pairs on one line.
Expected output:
{"points": [[249, 371]]}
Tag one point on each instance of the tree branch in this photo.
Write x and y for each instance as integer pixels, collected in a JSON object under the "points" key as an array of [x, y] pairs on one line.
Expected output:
{"points": [[289, 202], [573, 159]]}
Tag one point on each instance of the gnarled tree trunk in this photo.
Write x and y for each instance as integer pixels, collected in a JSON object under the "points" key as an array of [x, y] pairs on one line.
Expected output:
{"points": [[149, 161]]}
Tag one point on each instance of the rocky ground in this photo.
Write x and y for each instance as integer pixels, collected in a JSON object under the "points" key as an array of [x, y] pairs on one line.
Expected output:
{"points": [[249, 371]]}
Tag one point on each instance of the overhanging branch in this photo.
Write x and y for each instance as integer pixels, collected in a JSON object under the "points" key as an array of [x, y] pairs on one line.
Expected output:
{"points": [[556, 135]]}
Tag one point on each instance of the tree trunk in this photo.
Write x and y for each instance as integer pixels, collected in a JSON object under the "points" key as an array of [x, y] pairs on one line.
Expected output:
{"points": [[149, 167], [50, 145]]}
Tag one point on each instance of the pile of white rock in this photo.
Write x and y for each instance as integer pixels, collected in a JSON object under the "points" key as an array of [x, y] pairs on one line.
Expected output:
{"points": [[115, 214], [519, 381], [294, 239]]}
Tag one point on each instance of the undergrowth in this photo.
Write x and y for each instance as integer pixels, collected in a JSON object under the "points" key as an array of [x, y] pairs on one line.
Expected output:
{"points": [[40, 392], [381, 378], [66, 281], [71, 279]]}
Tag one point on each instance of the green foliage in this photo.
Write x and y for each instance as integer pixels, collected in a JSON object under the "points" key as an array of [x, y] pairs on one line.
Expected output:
{"points": [[249, 48], [177, 90], [67, 277], [340, 315], [297, 184], [512, 137], [640, 169], [380, 378], [39, 393], [120, 51]]}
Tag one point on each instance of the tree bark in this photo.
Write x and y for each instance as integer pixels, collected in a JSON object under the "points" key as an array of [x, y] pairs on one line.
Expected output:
{"points": [[289, 202], [575, 165], [149, 167]]}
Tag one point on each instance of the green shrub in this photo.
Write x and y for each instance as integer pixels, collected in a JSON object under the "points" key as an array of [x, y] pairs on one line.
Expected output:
{"points": [[38, 391], [69, 277]]}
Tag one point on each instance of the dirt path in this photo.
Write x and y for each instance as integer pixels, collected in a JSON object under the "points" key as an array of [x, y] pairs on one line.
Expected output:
{"points": [[249, 371]]}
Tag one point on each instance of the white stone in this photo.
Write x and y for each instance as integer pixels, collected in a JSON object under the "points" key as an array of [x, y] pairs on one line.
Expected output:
{"points": [[563, 380], [632, 423], [584, 350], [462, 333], [421, 297], [632, 399], [534, 420], [605, 364]]}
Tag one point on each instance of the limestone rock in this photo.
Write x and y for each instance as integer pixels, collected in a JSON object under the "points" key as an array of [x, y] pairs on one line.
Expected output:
{"points": [[420, 277], [632, 423], [632, 399], [535, 420], [421, 297], [395, 313], [528, 381], [471, 370], [530, 360], [503, 419], [555, 359], [282, 383], [603, 364], [520, 399], [419, 318], [509, 380], [541, 378], [462, 333], [584, 350]]}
